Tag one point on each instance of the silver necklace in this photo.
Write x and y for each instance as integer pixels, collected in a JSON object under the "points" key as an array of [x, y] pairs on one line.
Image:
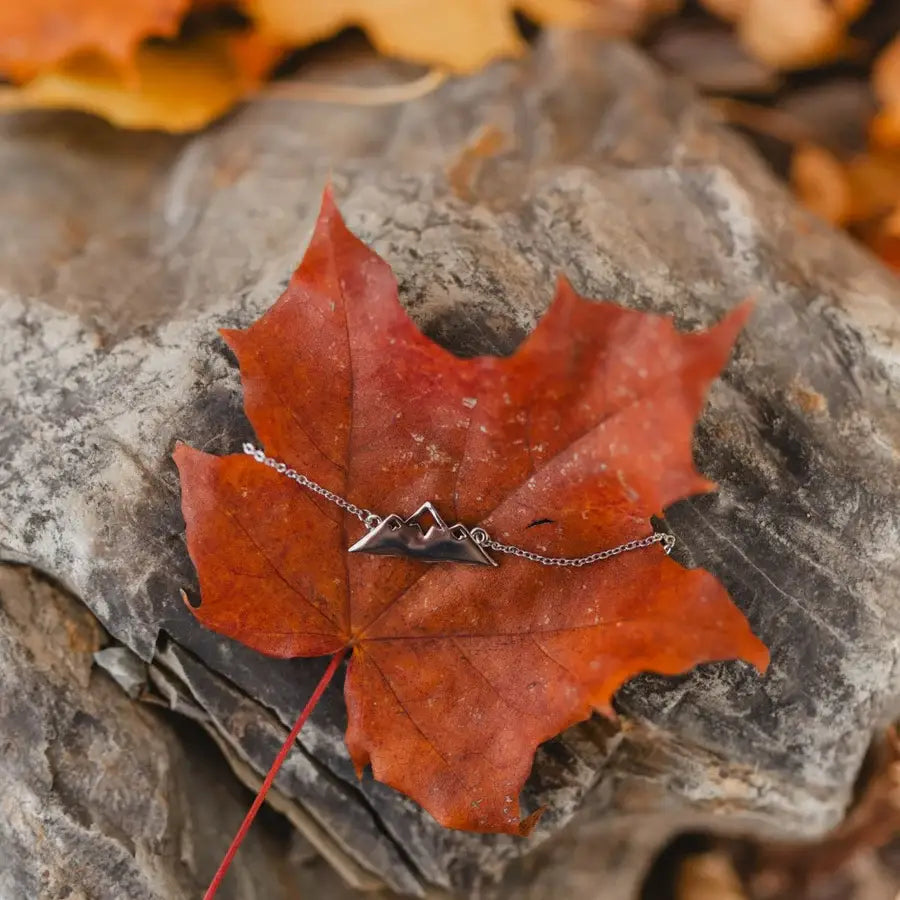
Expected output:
{"points": [[394, 535]]}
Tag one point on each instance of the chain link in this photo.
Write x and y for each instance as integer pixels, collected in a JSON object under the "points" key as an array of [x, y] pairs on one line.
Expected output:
{"points": [[659, 537], [479, 535], [366, 516]]}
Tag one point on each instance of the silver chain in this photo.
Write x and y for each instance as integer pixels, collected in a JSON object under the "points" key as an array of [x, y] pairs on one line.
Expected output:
{"points": [[366, 516], [478, 535], [659, 537]]}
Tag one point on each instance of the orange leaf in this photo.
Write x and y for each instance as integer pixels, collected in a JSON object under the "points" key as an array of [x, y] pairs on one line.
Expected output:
{"points": [[461, 35], [887, 246], [796, 34], [883, 237], [37, 34], [885, 127], [874, 184], [821, 182], [568, 446], [729, 10], [174, 87]]}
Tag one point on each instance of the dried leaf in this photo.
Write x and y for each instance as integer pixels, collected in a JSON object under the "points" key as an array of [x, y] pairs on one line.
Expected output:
{"points": [[729, 10], [39, 34], [885, 243], [799, 33], [178, 87], [629, 18], [885, 127], [882, 235], [708, 876], [874, 185], [862, 194], [459, 672], [461, 35], [821, 182], [886, 73]]}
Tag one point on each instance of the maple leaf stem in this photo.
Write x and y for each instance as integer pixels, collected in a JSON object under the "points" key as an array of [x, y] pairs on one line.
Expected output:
{"points": [[273, 771]]}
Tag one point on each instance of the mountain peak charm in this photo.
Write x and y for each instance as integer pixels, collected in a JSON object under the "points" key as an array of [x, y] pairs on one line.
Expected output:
{"points": [[396, 536]]}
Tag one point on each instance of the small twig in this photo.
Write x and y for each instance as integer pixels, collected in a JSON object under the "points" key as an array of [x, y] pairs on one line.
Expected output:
{"points": [[773, 123], [353, 95]]}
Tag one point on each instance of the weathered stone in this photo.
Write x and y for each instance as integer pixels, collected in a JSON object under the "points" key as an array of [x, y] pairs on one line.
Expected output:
{"points": [[99, 798], [120, 256], [127, 670]]}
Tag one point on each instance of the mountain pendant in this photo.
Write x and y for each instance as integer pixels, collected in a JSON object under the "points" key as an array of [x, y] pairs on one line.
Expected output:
{"points": [[396, 536]]}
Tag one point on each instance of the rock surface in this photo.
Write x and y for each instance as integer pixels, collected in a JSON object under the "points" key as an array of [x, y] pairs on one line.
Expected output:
{"points": [[99, 799], [121, 255]]}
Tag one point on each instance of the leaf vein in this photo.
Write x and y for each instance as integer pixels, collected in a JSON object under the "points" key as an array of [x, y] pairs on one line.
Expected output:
{"points": [[278, 573], [506, 702], [409, 715], [661, 382]]}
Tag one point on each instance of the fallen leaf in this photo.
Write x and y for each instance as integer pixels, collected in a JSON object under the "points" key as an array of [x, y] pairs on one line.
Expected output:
{"points": [[885, 127], [178, 87], [874, 185], [861, 194], [821, 182], [39, 34], [883, 239], [800, 33], [630, 18], [891, 225], [729, 10], [461, 35], [708, 876], [459, 672]]}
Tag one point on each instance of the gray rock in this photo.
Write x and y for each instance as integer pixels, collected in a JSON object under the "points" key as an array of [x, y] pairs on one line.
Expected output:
{"points": [[100, 799], [121, 255], [127, 670]]}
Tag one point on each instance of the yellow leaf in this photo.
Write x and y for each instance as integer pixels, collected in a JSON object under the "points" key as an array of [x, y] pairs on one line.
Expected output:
{"points": [[708, 876], [35, 34], [796, 34], [461, 35], [176, 88]]}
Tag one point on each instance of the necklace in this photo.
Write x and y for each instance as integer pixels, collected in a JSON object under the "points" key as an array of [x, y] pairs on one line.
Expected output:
{"points": [[394, 535]]}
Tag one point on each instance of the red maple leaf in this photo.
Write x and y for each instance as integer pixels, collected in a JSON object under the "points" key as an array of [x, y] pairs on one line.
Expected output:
{"points": [[459, 672]]}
